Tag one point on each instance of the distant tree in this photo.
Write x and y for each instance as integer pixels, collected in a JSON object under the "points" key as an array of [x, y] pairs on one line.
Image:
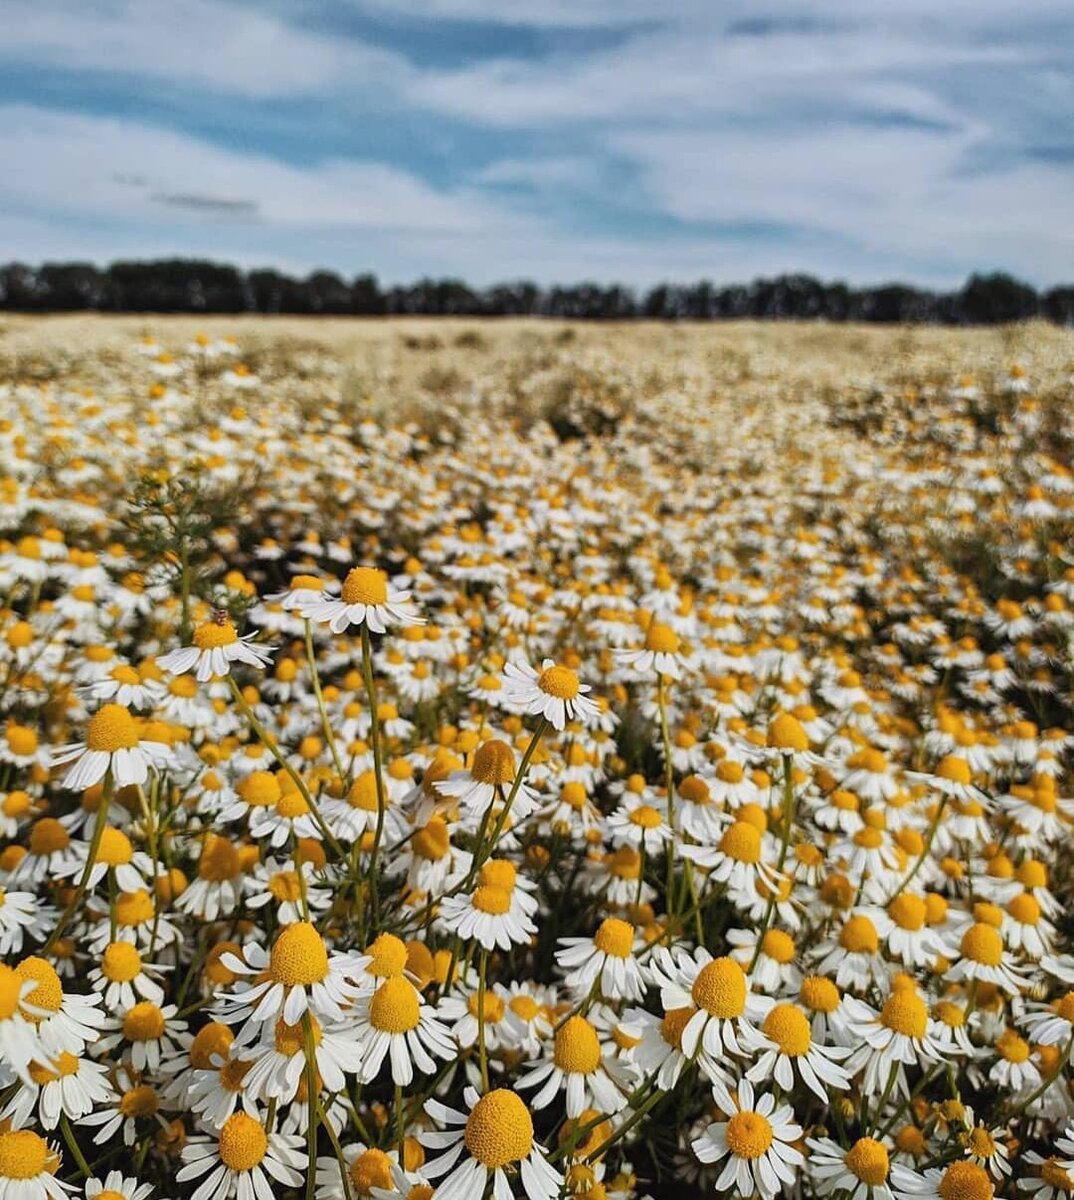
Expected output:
{"points": [[367, 300], [327, 293], [1058, 306], [998, 298]]}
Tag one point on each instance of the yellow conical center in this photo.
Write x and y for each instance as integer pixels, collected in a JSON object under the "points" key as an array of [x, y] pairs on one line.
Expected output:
{"points": [[819, 994], [720, 988], [67, 1064], [748, 1135], [285, 886], [299, 957], [48, 994], [645, 816], [211, 635], [1055, 1176], [491, 899], [661, 639], [23, 1154], [260, 789], [577, 1047], [371, 1169], [219, 860], [394, 1007], [21, 740], [908, 911], [212, 1039], [674, 1022], [290, 1040], [786, 733], [115, 849], [233, 1072], [560, 682], [788, 1027], [143, 1023], [363, 793], [965, 1181], [742, 842], [614, 937], [1011, 1047], [134, 908], [491, 1011], [983, 944], [365, 585], [111, 728], [1025, 909], [48, 836], [859, 936], [905, 1012], [955, 769], [494, 763], [499, 1130], [121, 962], [433, 841], [778, 946], [292, 805], [243, 1142], [868, 1160], [389, 956], [141, 1101]]}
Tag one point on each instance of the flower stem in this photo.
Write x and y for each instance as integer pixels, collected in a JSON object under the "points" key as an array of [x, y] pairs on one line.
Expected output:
{"points": [[91, 858]]}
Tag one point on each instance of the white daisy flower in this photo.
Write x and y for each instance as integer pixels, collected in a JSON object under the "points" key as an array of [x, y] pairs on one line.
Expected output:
{"points": [[555, 692], [861, 1172], [216, 646], [394, 1022], [608, 956], [241, 1159], [495, 1142], [366, 598], [756, 1141], [28, 1168], [112, 744]]}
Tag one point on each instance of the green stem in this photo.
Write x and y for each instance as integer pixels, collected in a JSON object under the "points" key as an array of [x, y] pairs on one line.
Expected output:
{"points": [[482, 1052], [330, 737], [311, 1099], [73, 1146], [374, 727]]}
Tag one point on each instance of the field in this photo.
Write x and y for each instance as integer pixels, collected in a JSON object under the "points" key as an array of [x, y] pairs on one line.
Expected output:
{"points": [[538, 759]]}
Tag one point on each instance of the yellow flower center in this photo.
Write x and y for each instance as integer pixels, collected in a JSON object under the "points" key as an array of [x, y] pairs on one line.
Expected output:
{"points": [[491, 1012], [905, 1012], [67, 1064], [219, 859], [299, 957], [868, 1160], [560, 682], [729, 771], [291, 1039], [48, 994], [983, 944], [365, 585], [140, 1101], [950, 1014], [143, 1023], [48, 836], [233, 1072], [499, 1130], [121, 962], [819, 994], [786, 733], [433, 841], [661, 639], [211, 635], [243, 1142], [674, 1022], [788, 1027], [394, 1007], [115, 848], [292, 805], [16, 804], [260, 789], [859, 936], [211, 1039], [577, 1048], [614, 937], [1054, 1175], [742, 842], [720, 988], [23, 1154], [1012, 1047], [1025, 909], [778, 946], [389, 956], [955, 769], [21, 740], [371, 1169], [134, 908], [499, 872], [111, 728], [965, 1181], [645, 816], [285, 886], [908, 911], [748, 1135], [494, 763], [488, 898]]}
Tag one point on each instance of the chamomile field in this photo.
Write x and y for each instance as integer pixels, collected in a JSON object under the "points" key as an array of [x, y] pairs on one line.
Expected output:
{"points": [[449, 759]]}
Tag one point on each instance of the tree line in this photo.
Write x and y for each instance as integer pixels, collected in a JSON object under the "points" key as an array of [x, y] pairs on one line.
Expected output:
{"points": [[193, 286]]}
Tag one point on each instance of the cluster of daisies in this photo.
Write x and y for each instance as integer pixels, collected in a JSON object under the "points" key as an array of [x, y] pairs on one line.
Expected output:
{"points": [[517, 812]]}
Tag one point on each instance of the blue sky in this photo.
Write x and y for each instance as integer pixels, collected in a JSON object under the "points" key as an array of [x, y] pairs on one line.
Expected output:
{"points": [[626, 140]]}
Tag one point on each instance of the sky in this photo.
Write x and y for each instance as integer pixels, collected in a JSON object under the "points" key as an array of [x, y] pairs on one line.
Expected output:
{"points": [[559, 140]]}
